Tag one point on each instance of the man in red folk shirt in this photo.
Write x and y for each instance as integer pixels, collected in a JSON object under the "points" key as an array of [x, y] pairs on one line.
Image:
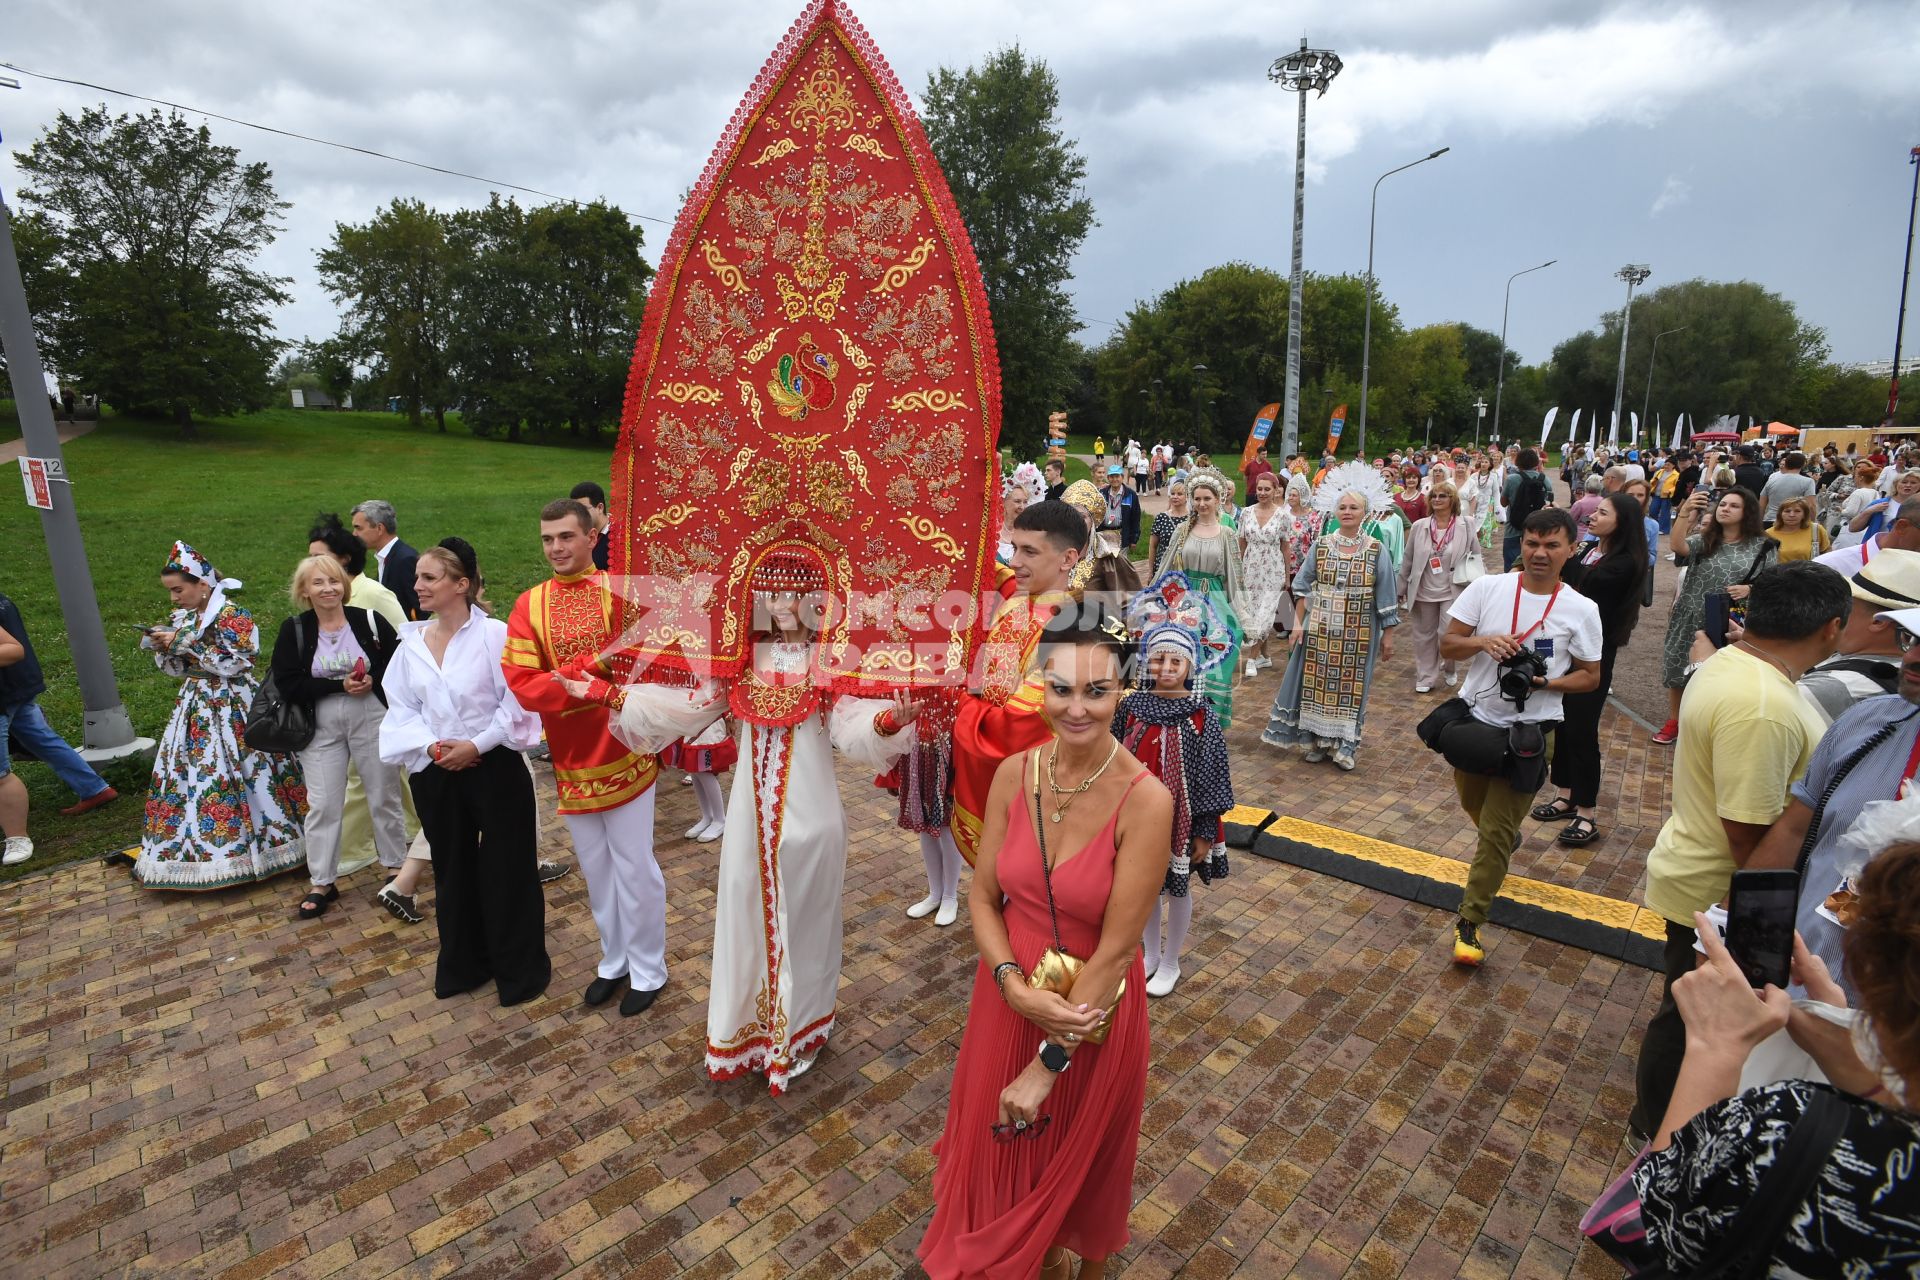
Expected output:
{"points": [[566, 624], [1000, 716]]}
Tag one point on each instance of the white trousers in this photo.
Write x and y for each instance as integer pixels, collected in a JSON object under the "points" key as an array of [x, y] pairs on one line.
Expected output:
{"points": [[628, 893], [348, 728]]}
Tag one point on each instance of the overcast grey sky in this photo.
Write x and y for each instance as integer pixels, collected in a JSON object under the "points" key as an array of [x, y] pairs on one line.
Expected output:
{"points": [[1763, 140]]}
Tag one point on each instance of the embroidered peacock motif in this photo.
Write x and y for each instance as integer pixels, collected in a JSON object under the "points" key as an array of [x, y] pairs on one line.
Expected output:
{"points": [[804, 381]]}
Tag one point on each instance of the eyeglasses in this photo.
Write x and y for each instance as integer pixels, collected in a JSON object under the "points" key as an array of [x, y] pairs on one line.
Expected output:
{"points": [[1904, 637], [1021, 1129]]}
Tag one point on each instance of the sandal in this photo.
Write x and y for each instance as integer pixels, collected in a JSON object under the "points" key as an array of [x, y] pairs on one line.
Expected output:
{"points": [[315, 904], [1580, 831], [1558, 811]]}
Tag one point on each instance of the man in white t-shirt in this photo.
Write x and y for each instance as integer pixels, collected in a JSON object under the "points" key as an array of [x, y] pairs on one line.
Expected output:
{"points": [[1495, 618], [1901, 533]]}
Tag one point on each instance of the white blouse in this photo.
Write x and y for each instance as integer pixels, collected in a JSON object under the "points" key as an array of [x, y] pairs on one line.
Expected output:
{"points": [[464, 697]]}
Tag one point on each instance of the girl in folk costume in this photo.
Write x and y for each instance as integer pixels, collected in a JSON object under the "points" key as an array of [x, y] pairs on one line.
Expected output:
{"points": [[704, 757], [1208, 553], [1175, 734], [783, 859], [924, 783], [218, 812], [1348, 603]]}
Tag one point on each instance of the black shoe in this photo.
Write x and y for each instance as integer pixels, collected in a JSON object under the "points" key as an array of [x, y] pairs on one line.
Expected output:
{"points": [[601, 990], [637, 1001], [551, 871]]}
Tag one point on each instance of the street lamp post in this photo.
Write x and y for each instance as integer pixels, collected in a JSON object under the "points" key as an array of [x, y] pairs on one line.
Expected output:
{"points": [[1308, 69], [1634, 274], [1479, 416], [1500, 384], [1647, 402], [106, 730], [1906, 270], [1366, 341]]}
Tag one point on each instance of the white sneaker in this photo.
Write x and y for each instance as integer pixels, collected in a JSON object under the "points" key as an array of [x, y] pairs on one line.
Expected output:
{"points": [[1253, 667], [923, 908], [949, 912], [1452, 678], [712, 831], [694, 831], [1423, 688], [1164, 979], [19, 849]]}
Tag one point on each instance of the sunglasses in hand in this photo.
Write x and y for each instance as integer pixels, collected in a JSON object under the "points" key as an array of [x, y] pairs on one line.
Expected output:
{"points": [[1021, 1129]]}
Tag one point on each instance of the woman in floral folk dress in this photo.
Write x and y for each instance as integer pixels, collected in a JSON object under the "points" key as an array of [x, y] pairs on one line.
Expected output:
{"points": [[218, 813], [1266, 530]]}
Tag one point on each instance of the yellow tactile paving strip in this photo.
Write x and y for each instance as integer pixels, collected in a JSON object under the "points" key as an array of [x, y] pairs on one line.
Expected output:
{"points": [[1558, 900]]}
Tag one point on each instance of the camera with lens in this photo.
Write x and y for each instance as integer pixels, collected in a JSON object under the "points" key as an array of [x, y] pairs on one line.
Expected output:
{"points": [[1517, 675]]}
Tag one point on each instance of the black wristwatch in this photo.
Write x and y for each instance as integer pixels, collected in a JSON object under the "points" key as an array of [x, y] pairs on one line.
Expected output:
{"points": [[1054, 1058]]}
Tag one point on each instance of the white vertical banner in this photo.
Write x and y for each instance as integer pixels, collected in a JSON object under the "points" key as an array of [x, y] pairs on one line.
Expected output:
{"points": [[1573, 427], [1593, 431], [1546, 427], [1677, 423], [1635, 443]]}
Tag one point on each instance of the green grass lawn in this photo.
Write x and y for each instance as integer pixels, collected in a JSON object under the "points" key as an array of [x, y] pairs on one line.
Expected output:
{"points": [[245, 494]]}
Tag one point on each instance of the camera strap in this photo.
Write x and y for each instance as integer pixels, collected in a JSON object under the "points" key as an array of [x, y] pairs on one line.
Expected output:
{"points": [[1519, 588]]}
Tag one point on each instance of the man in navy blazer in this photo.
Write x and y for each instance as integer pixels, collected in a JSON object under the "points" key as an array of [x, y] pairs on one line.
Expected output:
{"points": [[375, 524]]}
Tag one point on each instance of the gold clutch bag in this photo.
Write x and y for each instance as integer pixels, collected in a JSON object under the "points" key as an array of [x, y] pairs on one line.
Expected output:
{"points": [[1057, 970]]}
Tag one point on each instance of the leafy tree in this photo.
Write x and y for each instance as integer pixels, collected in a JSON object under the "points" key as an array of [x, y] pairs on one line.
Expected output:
{"points": [[545, 305], [142, 250], [1016, 180], [391, 276], [1740, 349], [593, 282]]}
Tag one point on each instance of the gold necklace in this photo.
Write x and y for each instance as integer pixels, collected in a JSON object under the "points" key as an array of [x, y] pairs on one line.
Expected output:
{"points": [[1060, 806]]}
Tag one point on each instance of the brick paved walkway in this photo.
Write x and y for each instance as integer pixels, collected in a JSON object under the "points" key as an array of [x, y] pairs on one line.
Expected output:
{"points": [[198, 1086]]}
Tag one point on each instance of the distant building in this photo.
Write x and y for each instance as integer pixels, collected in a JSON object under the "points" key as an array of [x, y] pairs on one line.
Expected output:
{"points": [[304, 399]]}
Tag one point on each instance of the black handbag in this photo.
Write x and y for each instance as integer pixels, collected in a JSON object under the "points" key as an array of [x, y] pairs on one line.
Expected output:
{"points": [[275, 723], [1722, 609]]}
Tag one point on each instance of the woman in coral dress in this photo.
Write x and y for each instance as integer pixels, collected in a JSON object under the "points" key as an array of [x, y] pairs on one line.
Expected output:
{"points": [[1036, 1161]]}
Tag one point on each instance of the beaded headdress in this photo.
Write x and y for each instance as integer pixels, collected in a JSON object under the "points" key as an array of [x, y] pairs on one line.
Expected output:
{"points": [[1172, 602], [1352, 477], [1211, 478], [1085, 498], [786, 571]]}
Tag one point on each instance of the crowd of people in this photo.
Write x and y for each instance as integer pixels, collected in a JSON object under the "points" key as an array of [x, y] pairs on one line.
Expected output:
{"points": [[1084, 775]]}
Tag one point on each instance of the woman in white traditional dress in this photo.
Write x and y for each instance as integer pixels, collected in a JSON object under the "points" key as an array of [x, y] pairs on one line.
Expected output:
{"points": [[218, 812], [1266, 537], [783, 859], [1348, 604]]}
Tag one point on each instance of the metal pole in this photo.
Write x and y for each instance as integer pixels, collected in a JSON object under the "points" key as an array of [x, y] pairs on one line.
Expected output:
{"points": [[1290, 415], [1633, 275], [108, 733], [1646, 402], [1500, 384], [1366, 341], [1906, 270]]}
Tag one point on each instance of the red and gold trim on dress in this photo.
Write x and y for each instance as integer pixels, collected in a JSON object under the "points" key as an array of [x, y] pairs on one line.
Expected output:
{"points": [[757, 1053], [604, 786]]}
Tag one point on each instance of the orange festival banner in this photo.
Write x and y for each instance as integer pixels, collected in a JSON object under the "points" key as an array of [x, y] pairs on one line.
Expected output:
{"points": [[1335, 426], [1262, 428]]}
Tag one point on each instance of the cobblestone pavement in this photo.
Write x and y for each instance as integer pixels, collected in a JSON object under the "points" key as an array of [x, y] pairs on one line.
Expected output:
{"points": [[199, 1086]]}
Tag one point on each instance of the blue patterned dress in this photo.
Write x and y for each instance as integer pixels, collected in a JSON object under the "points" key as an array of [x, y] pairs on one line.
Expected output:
{"points": [[218, 813]]}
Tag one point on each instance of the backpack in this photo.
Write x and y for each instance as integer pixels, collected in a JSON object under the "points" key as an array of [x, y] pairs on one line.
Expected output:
{"points": [[1527, 499]]}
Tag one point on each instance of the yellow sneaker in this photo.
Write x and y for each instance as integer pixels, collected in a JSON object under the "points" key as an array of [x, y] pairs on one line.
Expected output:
{"points": [[1467, 948]]}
